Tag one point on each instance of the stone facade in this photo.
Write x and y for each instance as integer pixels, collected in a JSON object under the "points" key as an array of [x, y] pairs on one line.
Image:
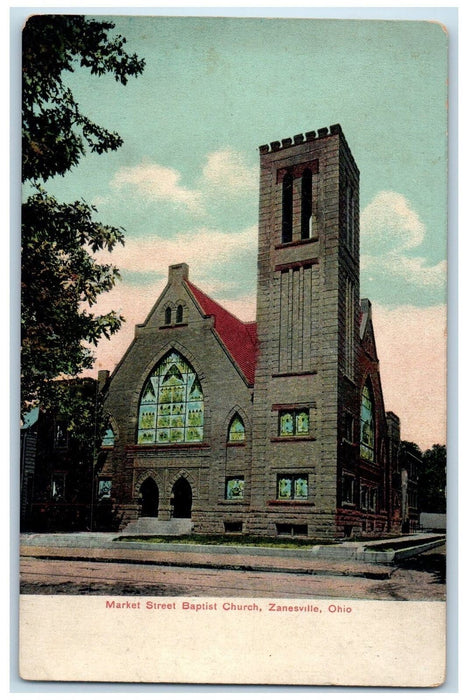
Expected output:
{"points": [[273, 428]]}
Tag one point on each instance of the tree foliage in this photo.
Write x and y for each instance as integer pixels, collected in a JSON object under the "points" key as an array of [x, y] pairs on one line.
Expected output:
{"points": [[54, 131], [432, 476], [432, 480], [61, 280], [412, 447]]}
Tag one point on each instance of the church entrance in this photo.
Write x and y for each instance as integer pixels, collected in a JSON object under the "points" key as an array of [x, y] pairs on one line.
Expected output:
{"points": [[181, 499], [149, 498]]}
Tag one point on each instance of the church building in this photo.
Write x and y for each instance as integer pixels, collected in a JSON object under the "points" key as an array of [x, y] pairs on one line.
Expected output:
{"points": [[275, 427]]}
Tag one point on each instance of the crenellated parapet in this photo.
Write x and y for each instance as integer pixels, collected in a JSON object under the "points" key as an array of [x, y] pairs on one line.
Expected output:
{"points": [[308, 136]]}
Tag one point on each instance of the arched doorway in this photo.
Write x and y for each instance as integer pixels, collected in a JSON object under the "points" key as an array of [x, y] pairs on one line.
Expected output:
{"points": [[181, 499], [149, 498]]}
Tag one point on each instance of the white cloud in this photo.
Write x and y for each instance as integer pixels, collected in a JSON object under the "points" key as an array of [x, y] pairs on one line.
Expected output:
{"points": [[156, 182], [227, 170], [389, 223], [390, 230], [200, 249], [98, 201], [400, 268]]}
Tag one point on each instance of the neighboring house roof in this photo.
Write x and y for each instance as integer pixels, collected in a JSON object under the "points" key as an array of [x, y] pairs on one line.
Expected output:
{"points": [[239, 338], [30, 418]]}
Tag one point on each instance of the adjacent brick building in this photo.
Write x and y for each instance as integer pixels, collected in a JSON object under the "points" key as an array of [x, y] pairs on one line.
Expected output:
{"points": [[276, 427]]}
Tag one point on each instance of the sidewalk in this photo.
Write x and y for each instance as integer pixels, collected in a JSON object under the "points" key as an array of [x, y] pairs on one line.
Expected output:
{"points": [[345, 559], [248, 561]]}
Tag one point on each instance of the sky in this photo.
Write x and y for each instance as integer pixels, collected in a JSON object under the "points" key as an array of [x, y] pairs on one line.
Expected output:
{"points": [[184, 185]]}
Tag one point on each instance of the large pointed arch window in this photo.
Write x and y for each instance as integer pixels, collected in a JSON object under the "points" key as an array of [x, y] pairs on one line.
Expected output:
{"points": [[171, 406], [367, 449]]}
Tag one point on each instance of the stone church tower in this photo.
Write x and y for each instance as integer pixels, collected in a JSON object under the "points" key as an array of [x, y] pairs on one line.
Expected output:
{"points": [[307, 325], [275, 427]]}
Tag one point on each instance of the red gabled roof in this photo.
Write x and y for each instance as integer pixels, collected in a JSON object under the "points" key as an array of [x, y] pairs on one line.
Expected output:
{"points": [[239, 338]]}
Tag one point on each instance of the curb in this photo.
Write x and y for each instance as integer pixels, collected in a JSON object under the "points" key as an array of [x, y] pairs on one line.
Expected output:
{"points": [[376, 575]]}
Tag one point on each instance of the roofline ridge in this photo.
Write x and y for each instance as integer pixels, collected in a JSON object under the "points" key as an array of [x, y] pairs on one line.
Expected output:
{"points": [[239, 320]]}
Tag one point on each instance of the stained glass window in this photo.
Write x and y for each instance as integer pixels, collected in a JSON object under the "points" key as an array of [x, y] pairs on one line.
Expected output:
{"points": [[171, 406], [302, 422], [295, 422], [236, 430], [104, 489], [235, 488], [367, 424], [293, 487], [286, 423]]}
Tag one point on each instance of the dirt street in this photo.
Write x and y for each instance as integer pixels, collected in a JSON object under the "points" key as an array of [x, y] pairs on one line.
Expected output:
{"points": [[422, 578]]}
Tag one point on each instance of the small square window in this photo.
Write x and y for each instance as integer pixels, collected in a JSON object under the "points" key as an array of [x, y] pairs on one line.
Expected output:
{"points": [[294, 422], [235, 488], [233, 526], [104, 489], [291, 529], [292, 487]]}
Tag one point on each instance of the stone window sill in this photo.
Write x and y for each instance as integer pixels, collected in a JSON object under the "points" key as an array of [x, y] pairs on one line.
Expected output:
{"points": [[293, 244], [170, 446], [293, 438], [290, 503], [231, 502]]}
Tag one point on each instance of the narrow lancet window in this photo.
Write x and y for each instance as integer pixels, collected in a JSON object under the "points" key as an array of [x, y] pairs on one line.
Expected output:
{"points": [[349, 217], [179, 314], [236, 430], [349, 329], [306, 205], [367, 424], [287, 209], [168, 316]]}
